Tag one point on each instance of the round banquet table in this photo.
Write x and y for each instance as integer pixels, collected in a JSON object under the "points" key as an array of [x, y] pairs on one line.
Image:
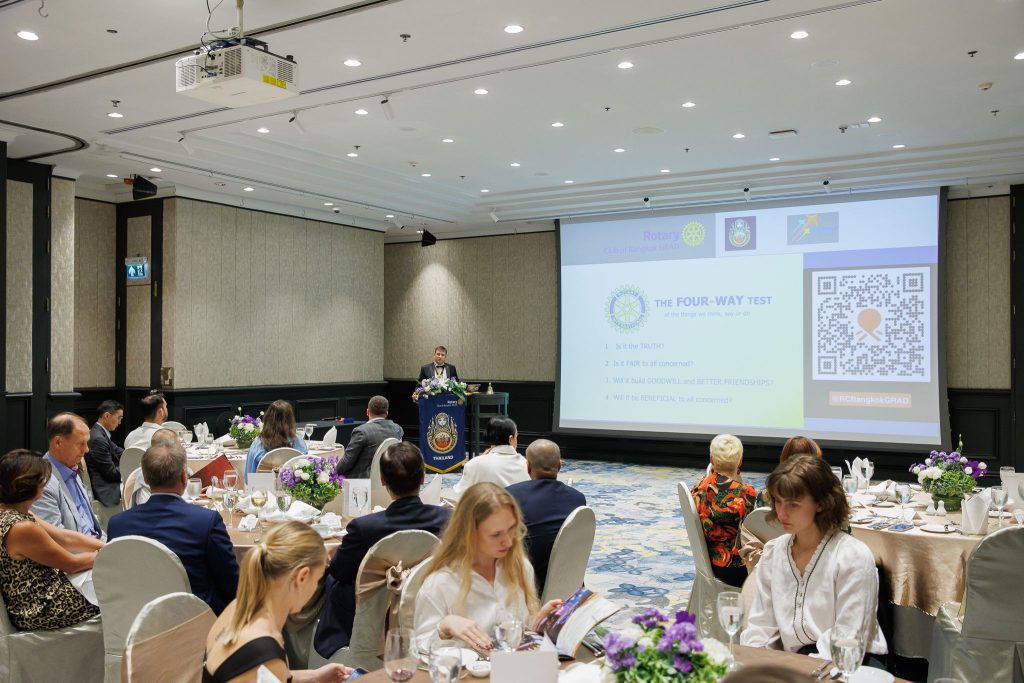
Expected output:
{"points": [[922, 570], [198, 459], [243, 541], [748, 655]]}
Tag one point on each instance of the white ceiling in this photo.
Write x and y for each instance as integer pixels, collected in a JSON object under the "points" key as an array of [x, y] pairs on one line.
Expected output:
{"points": [[907, 59]]}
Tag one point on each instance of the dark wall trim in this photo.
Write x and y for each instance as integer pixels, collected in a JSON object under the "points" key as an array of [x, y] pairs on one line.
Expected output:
{"points": [[1017, 324], [3, 294], [39, 176]]}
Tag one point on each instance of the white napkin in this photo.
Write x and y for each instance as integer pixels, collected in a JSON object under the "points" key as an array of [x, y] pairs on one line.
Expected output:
{"points": [[265, 675], [580, 673], [330, 438], [210, 490], [302, 512], [248, 523], [272, 514], [431, 493], [975, 513], [200, 432], [885, 490], [857, 470], [1019, 514], [331, 519]]}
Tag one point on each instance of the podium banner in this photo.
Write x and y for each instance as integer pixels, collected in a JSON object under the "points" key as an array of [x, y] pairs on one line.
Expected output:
{"points": [[442, 432]]}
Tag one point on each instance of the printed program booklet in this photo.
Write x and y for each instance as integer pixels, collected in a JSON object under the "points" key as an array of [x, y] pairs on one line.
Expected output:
{"points": [[579, 614]]}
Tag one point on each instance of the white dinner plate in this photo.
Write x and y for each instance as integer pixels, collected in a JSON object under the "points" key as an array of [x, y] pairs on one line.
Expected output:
{"points": [[995, 513], [938, 529], [867, 674], [865, 519], [884, 504]]}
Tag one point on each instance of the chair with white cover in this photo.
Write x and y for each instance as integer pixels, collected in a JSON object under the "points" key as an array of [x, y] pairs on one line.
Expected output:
{"points": [[130, 572], [131, 460], [275, 459], [132, 485], [705, 586], [72, 653], [757, 525], [173, 426], [410, 589], [167, 641], [379, 586], [567, 565], [378, 494], [981, 645]]}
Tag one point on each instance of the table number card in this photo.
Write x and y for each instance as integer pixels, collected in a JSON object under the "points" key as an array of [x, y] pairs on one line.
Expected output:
{"points": [[355, 497], [537, 666], [262, 481]]}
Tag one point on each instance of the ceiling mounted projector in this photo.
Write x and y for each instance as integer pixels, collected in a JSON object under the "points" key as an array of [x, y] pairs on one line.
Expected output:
{"points": [[142, 188], [233, 74]]}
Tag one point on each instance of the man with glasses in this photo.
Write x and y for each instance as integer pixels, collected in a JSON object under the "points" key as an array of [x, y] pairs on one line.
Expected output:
{"points": [[104, 456]]}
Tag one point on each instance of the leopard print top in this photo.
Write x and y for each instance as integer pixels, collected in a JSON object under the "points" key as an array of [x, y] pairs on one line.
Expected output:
{"points": [[38, 598]]}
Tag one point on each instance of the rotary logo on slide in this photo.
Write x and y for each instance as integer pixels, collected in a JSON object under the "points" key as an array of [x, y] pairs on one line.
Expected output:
{"points": [[441, 434], [626, 308]]}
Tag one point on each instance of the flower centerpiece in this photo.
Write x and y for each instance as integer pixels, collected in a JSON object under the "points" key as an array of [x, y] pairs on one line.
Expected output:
{"points": [[313, 480], [244, 429], [949, 476], [656, 649], [436, 386]]}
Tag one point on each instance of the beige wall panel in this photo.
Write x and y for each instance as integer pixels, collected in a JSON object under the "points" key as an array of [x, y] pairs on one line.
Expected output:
{"points": [[956, 295], [95, 293], [492, 301], [978, 304], [138, 314], [268, 299], [1000, 365], [167, 284], [62, 285], [19, 286]]}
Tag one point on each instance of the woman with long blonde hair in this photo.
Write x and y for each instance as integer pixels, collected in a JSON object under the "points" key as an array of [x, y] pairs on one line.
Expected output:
{"points": [[480, 572], [278, 577]]}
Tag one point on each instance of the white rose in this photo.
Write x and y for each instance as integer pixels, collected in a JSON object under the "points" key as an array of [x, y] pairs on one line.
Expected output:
{"points": [[968, 470], [927, 461], [645, 643], [963, 458], [323, 477], [982, 466], [299, 464], [716, 651], [921, 476], [933, 472], [303, 475], [917, 469], [248, 427]]}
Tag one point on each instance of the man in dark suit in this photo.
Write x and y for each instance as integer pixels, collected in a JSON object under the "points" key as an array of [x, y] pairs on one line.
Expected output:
{"points": [[104, 455], [196, 535], [401, 472], [367, 438], [545, 502], [439, 368]]}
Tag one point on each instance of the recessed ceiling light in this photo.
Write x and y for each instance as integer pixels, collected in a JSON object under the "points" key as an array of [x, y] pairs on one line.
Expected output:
{"points": [[112, 175], [774, 159], [1019, 55], [874, 119], [485, 190], [618, 150], [513, 28], [625, 65], [898, 146], [425, 175], [557, 124], [689, 104], [844, 81], [27, 35], [389, 215], [447, 140], [514, 164], [480, 91], [666, 170], [247, 189], [263, 130], [155, 170], [362, 112], [328, 203], [353, 62], [738, 136], [112, 30], [569, 182], [115, 115], [353, 154], [798, 35]]}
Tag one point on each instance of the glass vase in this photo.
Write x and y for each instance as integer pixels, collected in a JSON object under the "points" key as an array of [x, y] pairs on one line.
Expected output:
{"points": [[952, 503]]}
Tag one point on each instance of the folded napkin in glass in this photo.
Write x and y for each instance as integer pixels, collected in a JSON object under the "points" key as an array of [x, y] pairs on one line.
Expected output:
{"points": [[974, 518], [248, 523], [885, 490]]}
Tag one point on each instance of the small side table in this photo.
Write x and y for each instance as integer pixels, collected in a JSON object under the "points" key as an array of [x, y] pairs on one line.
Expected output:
{"points": [[484, 405]]}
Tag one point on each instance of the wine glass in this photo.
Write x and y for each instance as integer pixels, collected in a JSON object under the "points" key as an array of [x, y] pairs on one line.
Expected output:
{"points": [[508, 632], [905, 493], [230, 501], [999, 501], [850, 485], [869, 469], [399, 662], [231, 480], [308, 429], [730, 616], [258, 500], [1006, 480], [284, 501], [445, 661], [183, 436], [838, 471], [847, 646], [193, 489]]}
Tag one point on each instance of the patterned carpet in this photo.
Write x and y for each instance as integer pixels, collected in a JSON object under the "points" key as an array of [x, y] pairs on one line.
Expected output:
{"points": [[641, 556]]}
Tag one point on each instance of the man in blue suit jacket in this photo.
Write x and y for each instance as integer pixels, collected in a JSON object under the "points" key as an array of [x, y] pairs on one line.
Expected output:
{"points": [[401, 472], [545, 502], [196, 535]]}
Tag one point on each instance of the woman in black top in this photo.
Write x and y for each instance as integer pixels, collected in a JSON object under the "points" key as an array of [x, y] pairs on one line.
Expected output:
{"points": [[278, 577]]}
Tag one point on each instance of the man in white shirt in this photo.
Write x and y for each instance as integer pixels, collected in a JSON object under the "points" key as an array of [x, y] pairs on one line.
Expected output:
{"points": [[500, 464], [154, 411]]}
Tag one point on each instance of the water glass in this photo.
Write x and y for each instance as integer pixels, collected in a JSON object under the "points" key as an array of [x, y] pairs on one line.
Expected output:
{"points": [[838, 471], [904, 493], [850, 484], [869, 470], [230, 501], [231, 480], [730, 616], [309, 430], [399, 661], [508, 633], [284, 501], [445, 661], [999, 501], [193, 489], [847, 647], [183, 436]]}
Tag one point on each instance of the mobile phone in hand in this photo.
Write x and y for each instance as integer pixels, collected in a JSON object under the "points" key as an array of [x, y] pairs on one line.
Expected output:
{"points": [[356, 673]]}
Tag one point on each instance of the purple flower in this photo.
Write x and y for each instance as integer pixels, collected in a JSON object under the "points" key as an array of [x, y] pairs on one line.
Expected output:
{"points": [[616, 648], [682, 664], [287, 477], [682, 616], [649, 618]]}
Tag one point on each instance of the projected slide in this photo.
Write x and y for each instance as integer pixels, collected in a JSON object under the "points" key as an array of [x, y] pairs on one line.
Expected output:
{"points": [[816, 319]]}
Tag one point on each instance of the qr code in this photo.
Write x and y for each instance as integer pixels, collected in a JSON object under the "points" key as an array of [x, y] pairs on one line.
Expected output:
{"points": [[871, 324]]}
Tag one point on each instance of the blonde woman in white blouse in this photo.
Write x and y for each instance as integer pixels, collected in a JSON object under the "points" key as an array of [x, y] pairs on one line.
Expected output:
{"points": [[479, 573], [814, 577]]}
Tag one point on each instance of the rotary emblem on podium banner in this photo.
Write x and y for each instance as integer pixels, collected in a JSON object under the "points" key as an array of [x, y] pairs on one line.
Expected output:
{"points": [[441, 433]]}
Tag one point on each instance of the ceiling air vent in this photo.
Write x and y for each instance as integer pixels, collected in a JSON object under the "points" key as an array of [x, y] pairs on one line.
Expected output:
{"points": [[776, 134]]}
